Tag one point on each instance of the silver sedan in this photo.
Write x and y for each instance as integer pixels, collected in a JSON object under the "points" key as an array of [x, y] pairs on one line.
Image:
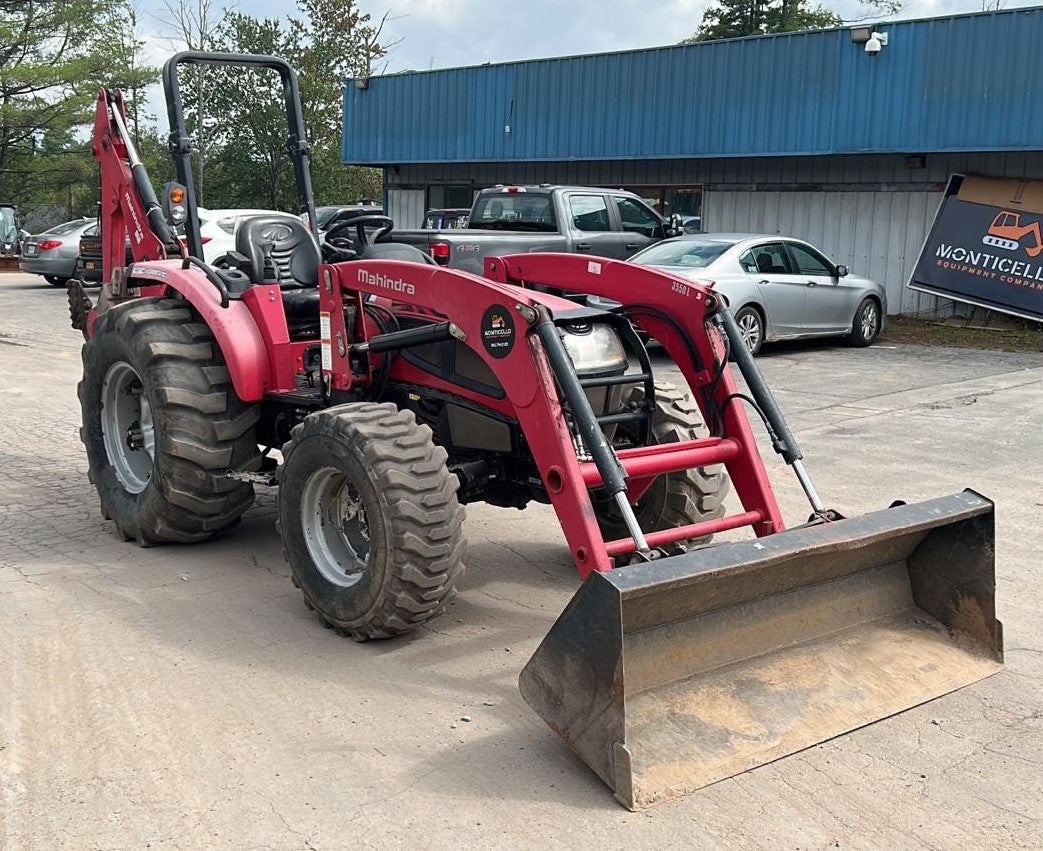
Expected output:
{"points": [[777, 288], [53, 253]]}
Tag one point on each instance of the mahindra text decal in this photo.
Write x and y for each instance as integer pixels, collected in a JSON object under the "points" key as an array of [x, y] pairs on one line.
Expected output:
{"points": [[385, 282], [983, 250], [139, 233]]}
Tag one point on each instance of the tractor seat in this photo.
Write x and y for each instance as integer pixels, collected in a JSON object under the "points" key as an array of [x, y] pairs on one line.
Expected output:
{"points": [[293, 250], [295, 261]]}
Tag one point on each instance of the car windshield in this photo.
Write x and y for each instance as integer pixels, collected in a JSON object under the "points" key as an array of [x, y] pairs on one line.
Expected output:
{"points": [[323, 215], [513, 211], [697, 253]]}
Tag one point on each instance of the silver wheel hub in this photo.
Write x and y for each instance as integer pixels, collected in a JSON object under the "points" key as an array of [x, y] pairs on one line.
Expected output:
{"points": [[335, 526], [127, 429], [870, 322], [750, 328]]}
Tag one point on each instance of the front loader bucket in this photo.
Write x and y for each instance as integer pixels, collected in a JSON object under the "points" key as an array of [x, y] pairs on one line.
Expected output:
{"points": [[667, 676]]}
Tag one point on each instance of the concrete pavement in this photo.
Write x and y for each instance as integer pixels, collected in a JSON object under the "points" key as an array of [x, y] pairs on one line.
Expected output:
{"points": [[184, 697]]}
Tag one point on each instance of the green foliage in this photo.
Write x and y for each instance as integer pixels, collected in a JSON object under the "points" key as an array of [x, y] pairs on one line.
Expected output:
{"points": [[54, 55], [248, 163], [737, 18]]}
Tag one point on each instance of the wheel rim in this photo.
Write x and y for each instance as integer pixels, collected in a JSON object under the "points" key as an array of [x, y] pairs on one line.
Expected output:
{"points": [[336, 529], [870, 322], [750, 328], [127, 428]]}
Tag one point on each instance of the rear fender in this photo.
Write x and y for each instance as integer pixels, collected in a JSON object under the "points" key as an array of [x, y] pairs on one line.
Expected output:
{"points": [[234, 327]]}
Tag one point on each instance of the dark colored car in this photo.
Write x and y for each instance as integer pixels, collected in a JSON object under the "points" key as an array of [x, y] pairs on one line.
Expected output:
{"points": [[323, 215], [89, 261]]}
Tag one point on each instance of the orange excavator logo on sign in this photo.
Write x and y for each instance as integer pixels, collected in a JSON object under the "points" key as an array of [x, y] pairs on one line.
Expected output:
{"points": [[1007, 231]]}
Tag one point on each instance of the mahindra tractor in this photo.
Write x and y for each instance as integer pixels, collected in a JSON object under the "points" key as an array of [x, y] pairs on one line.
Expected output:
{"points": [[380, 393]]}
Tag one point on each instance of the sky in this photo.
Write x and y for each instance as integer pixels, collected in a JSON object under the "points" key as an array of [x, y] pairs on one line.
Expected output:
{"points": [[450, 33]]}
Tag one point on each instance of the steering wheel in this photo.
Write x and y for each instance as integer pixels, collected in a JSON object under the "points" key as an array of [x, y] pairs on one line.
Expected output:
{"points": [[337, 231]]}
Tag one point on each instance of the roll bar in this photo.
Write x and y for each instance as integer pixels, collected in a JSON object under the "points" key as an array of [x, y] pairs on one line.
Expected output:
{"points": [[181, 146]]}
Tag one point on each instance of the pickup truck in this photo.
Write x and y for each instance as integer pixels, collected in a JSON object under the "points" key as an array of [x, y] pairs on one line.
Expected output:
{"points": [[522, 219]]}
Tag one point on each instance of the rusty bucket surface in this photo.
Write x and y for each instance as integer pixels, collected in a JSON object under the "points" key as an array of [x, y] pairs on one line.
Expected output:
{"points": [[668, 676]]}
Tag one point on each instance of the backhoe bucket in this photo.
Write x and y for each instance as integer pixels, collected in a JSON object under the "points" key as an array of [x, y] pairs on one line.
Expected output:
{"points": [[668, 676]]}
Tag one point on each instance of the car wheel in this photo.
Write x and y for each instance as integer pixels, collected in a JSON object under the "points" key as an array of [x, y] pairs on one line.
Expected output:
{"points": [[56, 280], [751, 327], [866, 324]]}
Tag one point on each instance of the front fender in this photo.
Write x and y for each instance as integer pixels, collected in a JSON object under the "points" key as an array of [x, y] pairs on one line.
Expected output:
{"points": [[234, 327]]}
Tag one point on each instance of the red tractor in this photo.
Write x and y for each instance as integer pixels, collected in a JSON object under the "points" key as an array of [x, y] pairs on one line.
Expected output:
{"points": [[397, 391]]}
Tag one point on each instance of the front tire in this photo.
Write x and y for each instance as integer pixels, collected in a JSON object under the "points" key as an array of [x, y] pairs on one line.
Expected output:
{"points": [[162, 424], [56, 280], [369, 519], [673, 499], [866, 325]]}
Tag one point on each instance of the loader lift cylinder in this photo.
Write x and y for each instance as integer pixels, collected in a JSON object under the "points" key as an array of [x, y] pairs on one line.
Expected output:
{"points": [[782, 439]]}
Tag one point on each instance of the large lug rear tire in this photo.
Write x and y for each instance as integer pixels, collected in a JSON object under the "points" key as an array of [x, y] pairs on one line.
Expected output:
{"points": [[674, 499], [162, 424], [369, 519]]}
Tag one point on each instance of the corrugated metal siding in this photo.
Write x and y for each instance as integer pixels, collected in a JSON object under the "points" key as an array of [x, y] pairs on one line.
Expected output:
{"points": [[876, 234], [406, 207], [867, 211], [965, 83], [829, 171]]}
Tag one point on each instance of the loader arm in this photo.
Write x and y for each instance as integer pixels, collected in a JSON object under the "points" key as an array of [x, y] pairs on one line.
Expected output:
{"points": [[128, 203], [531, 380]]}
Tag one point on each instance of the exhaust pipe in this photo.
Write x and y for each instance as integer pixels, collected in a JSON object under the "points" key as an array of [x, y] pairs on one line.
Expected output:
{"points": [[668, 676]]}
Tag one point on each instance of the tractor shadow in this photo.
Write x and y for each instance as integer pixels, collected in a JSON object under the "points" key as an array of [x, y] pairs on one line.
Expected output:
{"points": [[230, 600]]}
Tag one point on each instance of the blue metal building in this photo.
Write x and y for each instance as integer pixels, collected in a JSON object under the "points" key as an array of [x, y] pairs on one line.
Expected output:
{"points": [[803, 133]]}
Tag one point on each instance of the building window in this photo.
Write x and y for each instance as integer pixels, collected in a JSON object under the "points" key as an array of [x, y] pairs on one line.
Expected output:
{"points": [[449, 197]]}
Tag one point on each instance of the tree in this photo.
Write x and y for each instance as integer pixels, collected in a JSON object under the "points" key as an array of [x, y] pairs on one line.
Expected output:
{"points": [[197, 22], [54, 56], [737, 18], [249, 164], [128, 70], [50, 68]]}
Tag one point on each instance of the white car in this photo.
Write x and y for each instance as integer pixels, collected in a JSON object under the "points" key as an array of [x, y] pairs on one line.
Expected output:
{"points": [[217, 228]]}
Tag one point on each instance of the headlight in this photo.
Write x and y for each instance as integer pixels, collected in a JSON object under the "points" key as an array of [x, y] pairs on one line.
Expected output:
{"points": [[594, 349]]}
